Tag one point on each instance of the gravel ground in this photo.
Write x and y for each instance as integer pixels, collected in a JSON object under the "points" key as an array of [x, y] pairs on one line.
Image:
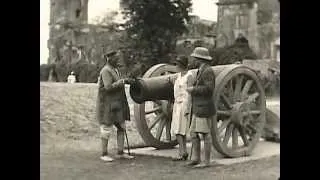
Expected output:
{"points": [[85, 164], [70, 145]]}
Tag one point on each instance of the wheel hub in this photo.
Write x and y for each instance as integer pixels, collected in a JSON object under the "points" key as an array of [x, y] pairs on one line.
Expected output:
{"points": [[238, 113]]}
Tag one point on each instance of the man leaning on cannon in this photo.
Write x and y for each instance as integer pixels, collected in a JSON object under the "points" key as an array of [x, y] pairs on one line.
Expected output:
{"points": [[112, 106], [203, 108]]}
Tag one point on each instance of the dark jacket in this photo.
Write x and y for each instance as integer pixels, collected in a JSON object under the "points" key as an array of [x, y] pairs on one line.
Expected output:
{"points": [[111, 98], [202, 93]]}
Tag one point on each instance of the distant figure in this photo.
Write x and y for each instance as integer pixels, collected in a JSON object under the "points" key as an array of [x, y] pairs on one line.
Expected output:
{"points": [[181, 107], [71, 78], [241, 39], [112, 106], [203, 108]]}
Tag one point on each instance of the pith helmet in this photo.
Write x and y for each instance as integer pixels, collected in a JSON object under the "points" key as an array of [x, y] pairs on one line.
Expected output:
{"points": [[201, 53]]}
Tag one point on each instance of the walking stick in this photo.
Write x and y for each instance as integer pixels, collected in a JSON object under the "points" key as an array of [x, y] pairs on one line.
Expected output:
{"points": [[125, 132], [191, 137]]}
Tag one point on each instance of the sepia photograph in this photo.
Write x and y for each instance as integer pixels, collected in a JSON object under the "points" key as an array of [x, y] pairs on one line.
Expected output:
{"points": [[160, 89]]}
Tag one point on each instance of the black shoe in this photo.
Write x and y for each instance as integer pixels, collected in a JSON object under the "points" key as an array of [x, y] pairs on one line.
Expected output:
{"points": [[185, 156], [192, 163], [202, 165], [181, 158]]}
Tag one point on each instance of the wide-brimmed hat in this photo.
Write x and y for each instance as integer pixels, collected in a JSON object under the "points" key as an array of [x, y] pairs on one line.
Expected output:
{"points": [[182, 60], [201, 53]]}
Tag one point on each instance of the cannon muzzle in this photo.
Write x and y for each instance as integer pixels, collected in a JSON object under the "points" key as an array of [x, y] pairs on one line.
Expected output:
{"points": [[152, 89]]}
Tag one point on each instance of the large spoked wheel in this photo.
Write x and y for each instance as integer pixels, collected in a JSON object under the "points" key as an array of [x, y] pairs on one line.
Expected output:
{"points": [[153, 118], [241, 108]]}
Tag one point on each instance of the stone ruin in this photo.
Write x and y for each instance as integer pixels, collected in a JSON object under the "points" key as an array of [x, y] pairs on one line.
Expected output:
{"points": [[69, 25]]}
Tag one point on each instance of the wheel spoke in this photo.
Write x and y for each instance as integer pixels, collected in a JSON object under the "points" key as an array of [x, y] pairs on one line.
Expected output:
{"points": [[237, 88], [234, 138], [228, 134], [252, 97], [253, 112], [246, 89], [243, 136], [226, 101], [253, 120], [226, 113], [230, 89], [157, 119], [153, 110], [223, 125], [160, 128]]}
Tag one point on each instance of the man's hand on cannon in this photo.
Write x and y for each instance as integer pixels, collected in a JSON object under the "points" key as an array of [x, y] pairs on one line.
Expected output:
{"points": [[129, 80], [118, 83]]}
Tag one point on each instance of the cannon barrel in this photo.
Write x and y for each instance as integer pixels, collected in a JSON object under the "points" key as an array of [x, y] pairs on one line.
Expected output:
{"points": [[151, 89], [161, 87]]}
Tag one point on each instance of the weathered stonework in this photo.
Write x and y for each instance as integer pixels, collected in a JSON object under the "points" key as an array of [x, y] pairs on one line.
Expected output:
{"points": [[69, 22], [75, 11], [241, 16], [235, 17]]}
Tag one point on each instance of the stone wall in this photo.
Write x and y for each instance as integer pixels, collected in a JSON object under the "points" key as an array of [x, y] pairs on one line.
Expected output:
{"points": [[68, 10], [93, 39]]}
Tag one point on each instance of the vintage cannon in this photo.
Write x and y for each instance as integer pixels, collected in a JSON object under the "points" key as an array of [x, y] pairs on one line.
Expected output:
{"points": [[239, 97]]}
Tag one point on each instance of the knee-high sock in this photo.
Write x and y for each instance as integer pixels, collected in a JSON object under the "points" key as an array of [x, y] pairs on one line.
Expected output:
{"points": [[120, 141], [184, 144], [195, 147], [207, 147], [104, 145]]}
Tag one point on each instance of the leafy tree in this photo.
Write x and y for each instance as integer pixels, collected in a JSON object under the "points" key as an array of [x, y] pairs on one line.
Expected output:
{"points": [[236, 52], [44, 72], [152, 28]]}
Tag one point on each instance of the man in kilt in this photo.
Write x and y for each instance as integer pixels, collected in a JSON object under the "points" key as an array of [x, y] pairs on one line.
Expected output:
{"points": [[112, 106], [203, 108]]}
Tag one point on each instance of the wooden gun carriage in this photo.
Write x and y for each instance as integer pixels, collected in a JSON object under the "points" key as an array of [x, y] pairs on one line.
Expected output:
{"points": [[239, 97]]}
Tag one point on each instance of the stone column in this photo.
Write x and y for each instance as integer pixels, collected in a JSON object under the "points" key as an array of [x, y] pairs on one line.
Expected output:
{"points": [[253, 29]]}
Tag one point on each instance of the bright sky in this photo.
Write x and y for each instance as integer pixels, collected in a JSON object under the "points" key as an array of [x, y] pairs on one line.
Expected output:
{"points": [[205, 9]]}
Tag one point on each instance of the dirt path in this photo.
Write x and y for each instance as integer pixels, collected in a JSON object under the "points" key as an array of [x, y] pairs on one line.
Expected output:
{"points": [[81, 165]]}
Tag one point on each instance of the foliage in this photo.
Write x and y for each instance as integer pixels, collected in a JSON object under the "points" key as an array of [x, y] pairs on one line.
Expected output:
{"points": [[62, 70], [231, 54], [268, 25], [199, 28], [44, 72], [266, 9], [153, 27], [84, 71]]}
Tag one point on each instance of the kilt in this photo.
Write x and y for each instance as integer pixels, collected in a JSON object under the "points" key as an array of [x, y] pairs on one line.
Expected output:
{"points": [[200, 125]]}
